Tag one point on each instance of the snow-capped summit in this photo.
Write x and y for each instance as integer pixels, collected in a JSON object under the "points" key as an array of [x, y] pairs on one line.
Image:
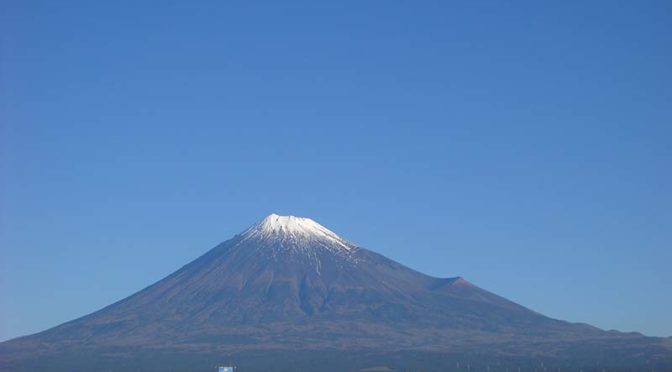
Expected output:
{"points": [[292, 228]]}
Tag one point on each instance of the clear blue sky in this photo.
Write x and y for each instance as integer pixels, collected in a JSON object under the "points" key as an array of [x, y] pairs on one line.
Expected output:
{"points": [[524, 146]]}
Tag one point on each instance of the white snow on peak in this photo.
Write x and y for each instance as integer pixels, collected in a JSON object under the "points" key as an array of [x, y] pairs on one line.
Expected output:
{"points": [[294, 228]]}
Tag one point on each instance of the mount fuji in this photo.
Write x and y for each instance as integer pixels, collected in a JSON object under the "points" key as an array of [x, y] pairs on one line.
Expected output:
{"points": [[288, 294]]}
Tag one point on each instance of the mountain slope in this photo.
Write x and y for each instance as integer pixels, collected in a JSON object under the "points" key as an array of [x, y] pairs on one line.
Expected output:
{"points": [[288, 283]]}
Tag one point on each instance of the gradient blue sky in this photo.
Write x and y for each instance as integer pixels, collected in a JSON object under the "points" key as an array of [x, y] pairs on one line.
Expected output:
{"points": [[524, 146]]}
